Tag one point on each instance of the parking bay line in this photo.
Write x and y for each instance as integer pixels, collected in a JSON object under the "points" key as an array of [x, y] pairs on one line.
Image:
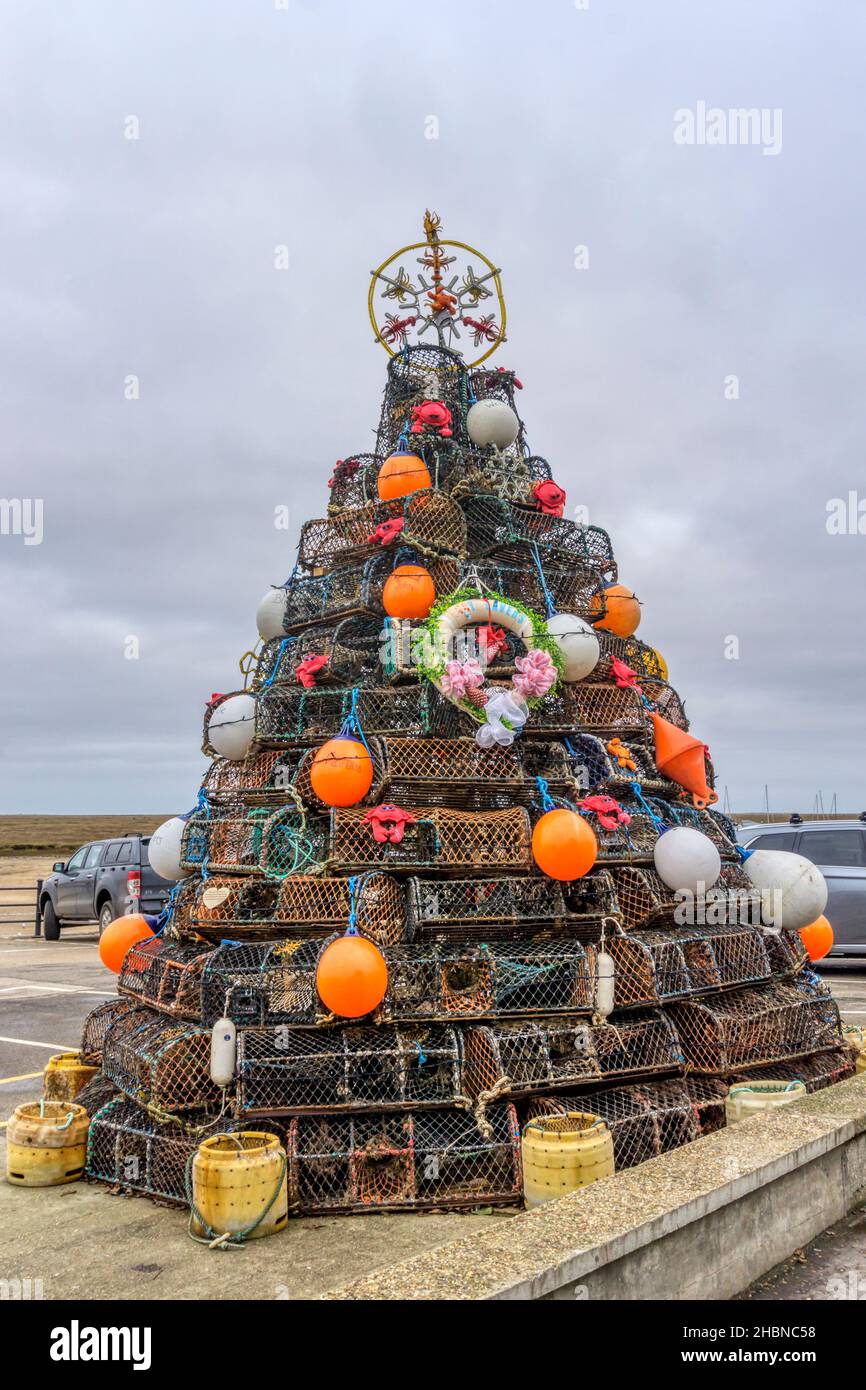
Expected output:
{"points": [[28, 1042]]}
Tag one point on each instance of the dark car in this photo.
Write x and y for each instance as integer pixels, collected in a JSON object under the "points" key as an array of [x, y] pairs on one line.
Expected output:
{"points": [[838, 847], [101, 881]]}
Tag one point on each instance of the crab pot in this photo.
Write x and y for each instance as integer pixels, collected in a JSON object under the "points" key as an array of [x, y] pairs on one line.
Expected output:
{"points": [[160, 1062], [635, 841], [816, 1071], [353, 481], [166, 975], [431, 521], [642, 659], [508, 530], [261, 776], [300, 906], [501, 906], [593, 708], [420, 372], [573, 588], [552, 1053], [353, 590], [445, 840], [349, 646], [97, 1024], [670, 706], [469, 980], [260, 840], [511, 475], [97, 1094], [656, 966], [257, 983], [311, 716], [750, 1028], [426, 1159], [644, 1120], [645, 901], [289, 1070]]}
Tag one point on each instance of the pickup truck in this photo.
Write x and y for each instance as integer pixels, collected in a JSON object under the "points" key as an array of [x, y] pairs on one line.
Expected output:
{"points": [[101, 881]]}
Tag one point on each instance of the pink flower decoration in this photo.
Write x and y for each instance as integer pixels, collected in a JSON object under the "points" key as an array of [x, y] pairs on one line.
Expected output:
{"points": [[536, 674], [460, 676]]}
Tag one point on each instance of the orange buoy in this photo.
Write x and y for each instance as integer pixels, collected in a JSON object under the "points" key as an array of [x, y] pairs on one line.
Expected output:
{"points": [[817, 937], [119, 936], [682, 758], [351, 976], [622, 611], [401, 474], [342, 772], [564, 845], [409, 592]]}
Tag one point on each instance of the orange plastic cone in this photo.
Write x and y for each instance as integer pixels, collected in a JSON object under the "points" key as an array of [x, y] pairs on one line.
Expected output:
{"points": [[682, 758]]}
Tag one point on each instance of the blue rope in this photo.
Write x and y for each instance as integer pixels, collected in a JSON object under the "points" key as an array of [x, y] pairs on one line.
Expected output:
{"points": [[352, 724], [660, 825], [280, 654], [547, 803], [352, 927], [548, 597]]}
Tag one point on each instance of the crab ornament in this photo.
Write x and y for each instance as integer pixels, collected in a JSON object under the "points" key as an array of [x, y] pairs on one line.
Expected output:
{"points": [[431, 415], [388, 823], [609, 812], [501, 705], [343, 468], [386, 531], [623, 675], [549, 498], [624, 759], [306, 670]]}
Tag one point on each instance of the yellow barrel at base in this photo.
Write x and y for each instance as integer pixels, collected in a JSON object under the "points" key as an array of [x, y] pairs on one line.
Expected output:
{"points": [[860, 1064], [64, 1076], [46, 1143], [562, 1153], [234, 1177], [757, 1097]]}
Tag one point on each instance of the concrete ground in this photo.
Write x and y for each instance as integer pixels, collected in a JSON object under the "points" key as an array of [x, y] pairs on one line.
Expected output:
{"points": [[82, 1242], [833, 1267]]}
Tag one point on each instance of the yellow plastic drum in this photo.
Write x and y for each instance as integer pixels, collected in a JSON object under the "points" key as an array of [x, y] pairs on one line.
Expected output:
{"points": [[234, 1178], [756, 1097], [64, 1076], [46, 1143], [562, 1153]]}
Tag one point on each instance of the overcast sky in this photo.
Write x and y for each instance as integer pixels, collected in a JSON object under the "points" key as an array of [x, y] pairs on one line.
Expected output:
{"points": [[306, 125]]}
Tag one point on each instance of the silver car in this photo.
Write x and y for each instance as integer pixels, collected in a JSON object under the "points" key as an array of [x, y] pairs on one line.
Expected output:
{"points": [[838, 847]]}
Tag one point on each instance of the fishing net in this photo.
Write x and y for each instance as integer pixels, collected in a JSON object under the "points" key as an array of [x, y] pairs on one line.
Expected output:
{"points": [[429, 522], [485, 907], [162, 1064]]}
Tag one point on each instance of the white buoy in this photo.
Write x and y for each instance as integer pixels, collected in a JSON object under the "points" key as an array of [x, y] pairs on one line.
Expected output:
{"points": [[492, 422], [269, 614], [793, 891], [164, 848], [577, 643], [605, 984], [687, 860], [223, 1052], [231, 727]]}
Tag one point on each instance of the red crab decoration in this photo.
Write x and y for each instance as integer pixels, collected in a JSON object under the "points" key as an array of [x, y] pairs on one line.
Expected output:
{"points": [[306, 670], [518, 384], [493, 640], [610, 813], [549, 498], [386, 531], [343, 468], [623, 675], [431, 415], [388, 824]]}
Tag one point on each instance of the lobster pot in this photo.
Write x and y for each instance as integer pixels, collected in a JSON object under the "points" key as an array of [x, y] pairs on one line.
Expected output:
{"points": [[355, 590], [469, 980], [573, 588], [550, 1053], [430, 521], [234, 1181], [380, 1161], [46, 1143], [511, 475], [97, 1094], [97, 1024], [645, 901], [752, 1027], [716, 827], [419, 373], [300, 906], [437, 838], [160, 1062], [747, 1098], [635, 841], [261, 776], [562, 1153], [492, 383], [310, 716], [350, 648], [639, 657], [605, 709], [261, 840], [166, 975], [65, 1075], [656, 966], [511, 532], [816, 1072], [131, 1150], [785, 951], [261, 983], [610, 765], [289, 1070], [473, 907], [353, 481]]}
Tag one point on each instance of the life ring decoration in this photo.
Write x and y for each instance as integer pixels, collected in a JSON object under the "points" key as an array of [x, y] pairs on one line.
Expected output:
{"points": [[501, 711]]}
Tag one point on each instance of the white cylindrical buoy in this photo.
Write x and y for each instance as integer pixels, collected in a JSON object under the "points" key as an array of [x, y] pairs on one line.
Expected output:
{"points": [[605, 984], [269, 614], [231, 727], [164, 849], [223, 1052]]}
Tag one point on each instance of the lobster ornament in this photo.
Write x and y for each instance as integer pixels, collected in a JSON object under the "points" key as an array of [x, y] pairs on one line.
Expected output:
{"points": [[306, 670], [609, 812], [388, 823], [431, 415]]}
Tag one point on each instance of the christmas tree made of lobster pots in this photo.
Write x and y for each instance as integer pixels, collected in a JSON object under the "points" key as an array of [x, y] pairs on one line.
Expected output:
{"points": [[454, 862]]}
